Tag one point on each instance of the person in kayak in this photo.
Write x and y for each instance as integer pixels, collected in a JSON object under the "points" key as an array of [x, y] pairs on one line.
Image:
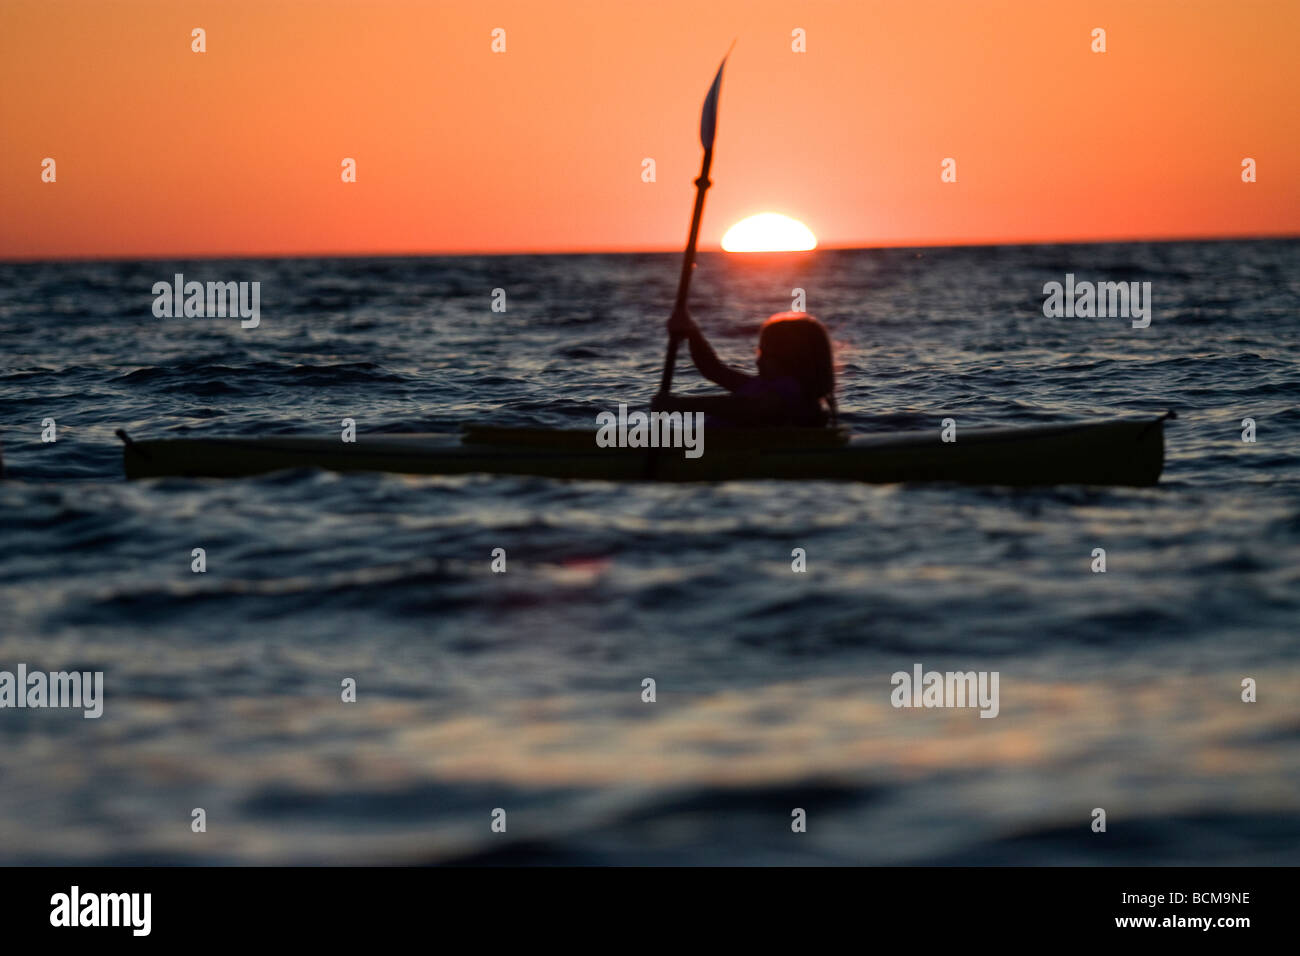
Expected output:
{"points": [[795, 384]]}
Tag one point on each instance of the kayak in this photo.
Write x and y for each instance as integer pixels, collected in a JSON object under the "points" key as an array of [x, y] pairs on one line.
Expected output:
{"points": [[1120, 452]]}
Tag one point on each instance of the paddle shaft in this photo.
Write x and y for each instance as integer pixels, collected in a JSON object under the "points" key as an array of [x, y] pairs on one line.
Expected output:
{"points": [[688, 267]]}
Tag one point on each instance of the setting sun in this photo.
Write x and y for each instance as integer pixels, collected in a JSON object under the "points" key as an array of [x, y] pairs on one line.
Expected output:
{"points": [[769, 232]]}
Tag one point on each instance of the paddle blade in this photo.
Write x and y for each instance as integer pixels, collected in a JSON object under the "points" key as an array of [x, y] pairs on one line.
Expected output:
{"points": [[709, 118]]}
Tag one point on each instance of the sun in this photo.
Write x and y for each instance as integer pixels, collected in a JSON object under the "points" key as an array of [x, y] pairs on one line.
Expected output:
{"points": [[769, 232]]}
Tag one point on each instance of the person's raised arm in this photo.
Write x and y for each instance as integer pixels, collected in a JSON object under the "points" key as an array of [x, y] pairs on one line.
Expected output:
{"points": [[681, 325]]}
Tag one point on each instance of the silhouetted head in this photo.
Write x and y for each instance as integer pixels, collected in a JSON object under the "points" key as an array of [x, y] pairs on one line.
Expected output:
{"points": [[795, 345]]}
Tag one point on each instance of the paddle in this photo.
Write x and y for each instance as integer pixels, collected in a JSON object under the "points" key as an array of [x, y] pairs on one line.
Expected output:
{"points": [[708, 125]]}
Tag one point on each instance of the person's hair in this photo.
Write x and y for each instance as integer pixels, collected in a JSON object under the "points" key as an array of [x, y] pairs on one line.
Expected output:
{"points": [[802, 348]]}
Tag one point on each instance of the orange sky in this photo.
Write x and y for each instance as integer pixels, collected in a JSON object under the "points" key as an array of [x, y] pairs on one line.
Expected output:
{"points": [[164, 152]]}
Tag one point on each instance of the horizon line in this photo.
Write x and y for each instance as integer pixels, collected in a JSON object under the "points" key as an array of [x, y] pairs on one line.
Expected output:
{"points": [[648, 250]]}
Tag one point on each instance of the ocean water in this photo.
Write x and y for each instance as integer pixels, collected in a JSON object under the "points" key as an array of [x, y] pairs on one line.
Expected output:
{"points": [[522, 691]]}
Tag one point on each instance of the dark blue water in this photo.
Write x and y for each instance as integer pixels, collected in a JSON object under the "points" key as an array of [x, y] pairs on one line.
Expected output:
{"points": [[522, 690]]}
